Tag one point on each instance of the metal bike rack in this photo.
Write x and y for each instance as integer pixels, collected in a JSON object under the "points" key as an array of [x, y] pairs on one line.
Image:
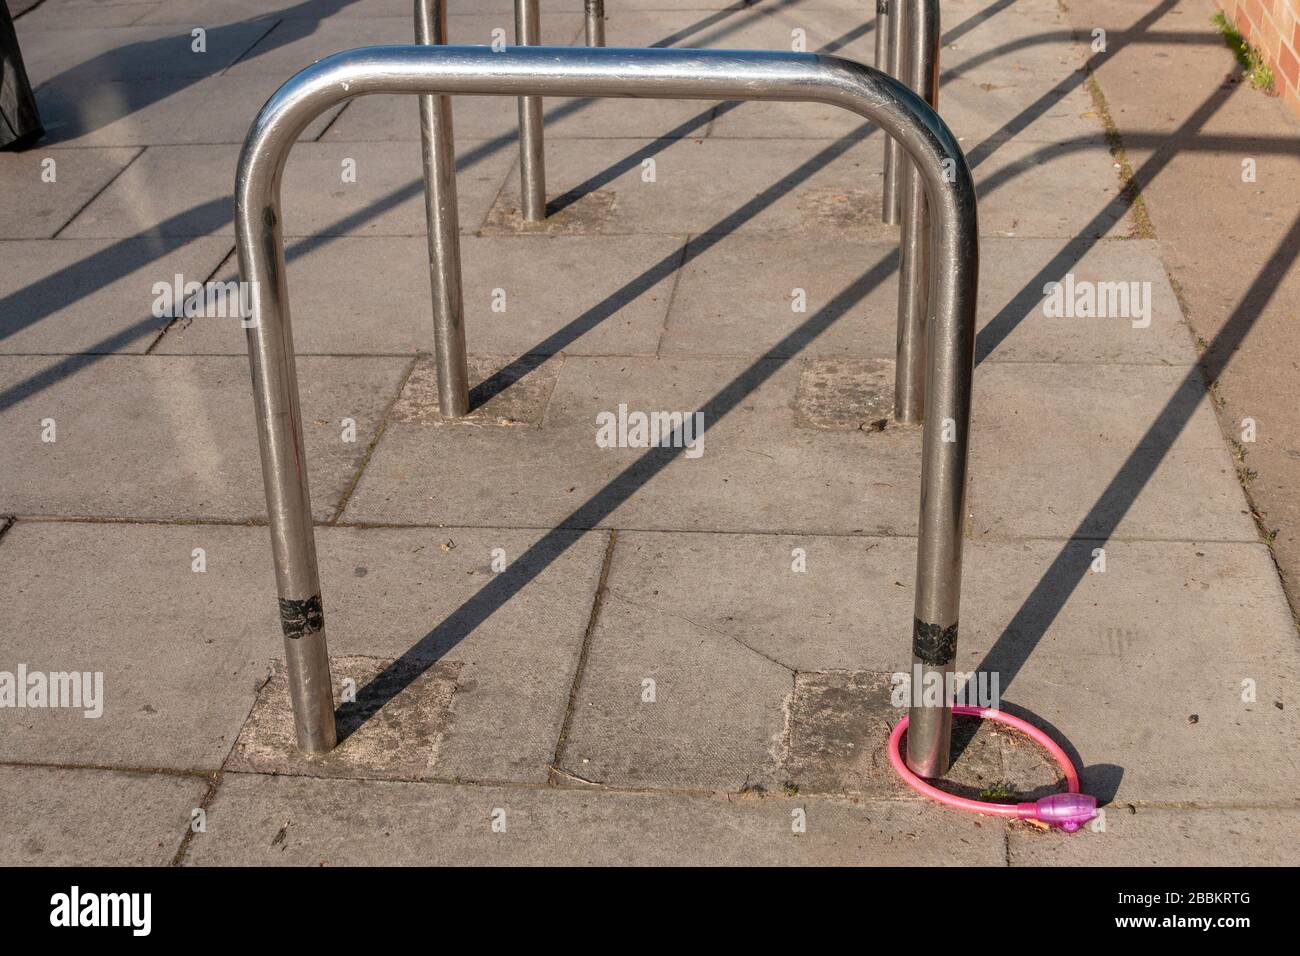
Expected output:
{"points": [[431, 28], [437, 72], [907, 47], [905, 56], [438, 149], [595, 19], [888, 36], [920, 70], [532, 153]]}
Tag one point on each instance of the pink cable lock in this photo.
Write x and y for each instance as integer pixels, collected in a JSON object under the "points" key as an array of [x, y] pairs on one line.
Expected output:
{"points": [[1069, 810]]}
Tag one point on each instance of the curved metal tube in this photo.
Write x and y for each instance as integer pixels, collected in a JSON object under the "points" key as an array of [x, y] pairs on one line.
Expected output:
{"points": [[590, 71]]}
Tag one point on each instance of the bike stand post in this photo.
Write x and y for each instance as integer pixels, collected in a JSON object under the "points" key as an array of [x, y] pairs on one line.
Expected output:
{"points": [[438, 148], [595, 11], [532, 154], [892, 29], [441, 71], [920, 70]]}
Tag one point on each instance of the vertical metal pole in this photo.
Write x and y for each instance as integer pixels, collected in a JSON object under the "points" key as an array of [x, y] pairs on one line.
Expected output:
{"points": [[438, 147], [882, 36], [922, 75], [284, 474], [595, 22], [947, 406], [893, 28], [532, 159]]}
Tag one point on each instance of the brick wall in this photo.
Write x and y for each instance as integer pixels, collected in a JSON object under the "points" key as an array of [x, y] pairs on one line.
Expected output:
{"points": [[1272, 26]]}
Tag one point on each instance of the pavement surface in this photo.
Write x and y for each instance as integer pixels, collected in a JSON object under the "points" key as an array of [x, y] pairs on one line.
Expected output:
{"points": [[550, 651]]}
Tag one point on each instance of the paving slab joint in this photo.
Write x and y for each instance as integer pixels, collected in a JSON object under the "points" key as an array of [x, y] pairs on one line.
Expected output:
{"points": [[598, 601], [374, 443]]}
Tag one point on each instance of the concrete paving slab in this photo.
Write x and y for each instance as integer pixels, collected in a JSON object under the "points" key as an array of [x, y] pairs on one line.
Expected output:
{"points": [[1160, 836], [765, 27], [979, 108], [1066, 437], [739, 296], [181, 653], [1015, 324], [1032, 610], [567, 214], [186, 191], [515, 635], [1010, 45], [62, 14], [840, 723], [41, 208], [1148, 45], [370, 119], [1042, 189], [1276, 475], [746, 294], [976, 105], [387, 197], [391, 717], [299, 821], [1227, 237], [569, 118], [667, 704], [975, 110], [215, 109], [681, 23], [1190, 736], [809, 187], [99, 55], [1042, 599], [851, 610], [559, 475], [428, 598], [846, 394], [503, 393], [1038, 597], [94, 295], [167, 191], [1184, 701], [174, 437], [183, 11], [390, 118], [727, 7], [788, 187], [55, 817], [462, 7], [296, 43], [584, 296]]}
